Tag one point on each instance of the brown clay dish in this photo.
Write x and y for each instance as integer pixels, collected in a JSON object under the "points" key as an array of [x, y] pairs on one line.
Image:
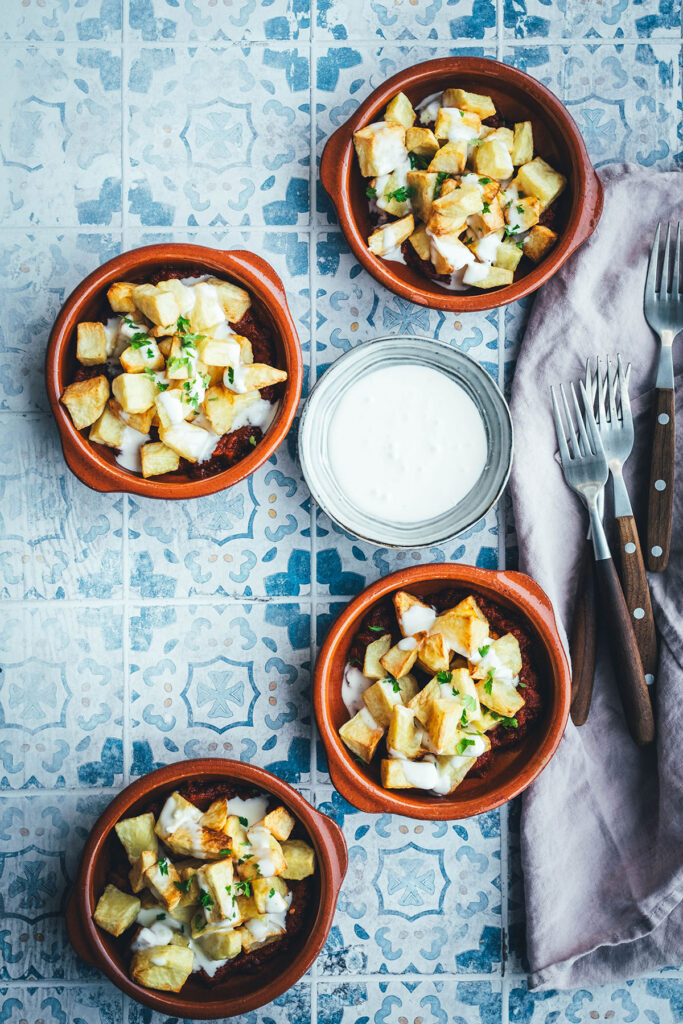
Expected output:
{"points": [[517, 97], [94, 464], [513, 768], [236, 992]]}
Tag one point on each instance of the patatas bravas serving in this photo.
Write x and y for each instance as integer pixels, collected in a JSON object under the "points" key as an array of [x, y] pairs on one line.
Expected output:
{"points": [[440, 693], [457, 193], [179, 377], [207, 889]]}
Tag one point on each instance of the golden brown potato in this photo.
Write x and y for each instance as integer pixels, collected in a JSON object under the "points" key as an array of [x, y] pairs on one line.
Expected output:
{"points": [[91, 344], [165, 968], [380, 148], [538, 178], [361, 734], [137, 872], [260, 375], [134, 392], [538, 242], [220, 944], [398, 661], [403, 736], [478, 104], [120, 297], [161, 307], [451, 158], [390, 236], [400, 110], [279, 823], [376, 650], [215, 884], [423, 184], [157, 458], [137, 834], [382, 696], [234, 300], [160, 878], [493, 160], [116, 911], [108, 429], [422, 141], [300, 859], [496, 277], [523, 143], [86, 400], [420, 243]]}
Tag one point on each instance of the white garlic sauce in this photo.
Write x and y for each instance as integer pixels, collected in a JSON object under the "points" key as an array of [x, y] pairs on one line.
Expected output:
{"points": [[354, 685], [128, 455]]}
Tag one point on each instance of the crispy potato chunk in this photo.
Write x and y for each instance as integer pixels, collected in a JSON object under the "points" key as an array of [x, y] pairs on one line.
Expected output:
{"points": [[159, 306], [221, 944], [464, 628], [448, 253], [300, 859], [234, 300], [496, 277], [420, 242], [538, 242], [390, 236], [215, 882], [451, 158], [421, 141], [493, 159], [137, 834], [443, 724], [216, 815], [107, 430], [374, 652], [137, 872], [279, 823], [478, 104], [236, 834], [157, 458], [489, 220], [120, 297], [523, 143], [160, 879], [395, 773], [260, 375], [404, 737], [134, 392], [165, 968], [380, 148], [433, 654], [116, 911], [504, 135], [504, 653], [523, 213], [398, 661], [361, 734], [414, 616], [420, 704], [400, 110], [146, 357], [423, 184], [266, 857], [500, 696], [538, 178], [264, 889], [222, 406], [508, 256], [86, 400], [454, 124], [382, 696], [91, 344]]}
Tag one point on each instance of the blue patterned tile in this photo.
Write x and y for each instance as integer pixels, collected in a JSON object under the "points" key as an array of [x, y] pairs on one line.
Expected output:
{"points": [[41, 839], [82, 1004], [223, 681], [61, 696], [218, 137], [59, 138], [218, 20], [422, 1002], [58, 539], [37, 273], [294, 1007], [405, 20], [61, 20], [418, 898], [659, 1000], [576, 19]]}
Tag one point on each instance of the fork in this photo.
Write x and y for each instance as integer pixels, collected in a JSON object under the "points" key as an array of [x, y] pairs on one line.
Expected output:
{"points": [[585, 472], [664, 313], [616, 433]]}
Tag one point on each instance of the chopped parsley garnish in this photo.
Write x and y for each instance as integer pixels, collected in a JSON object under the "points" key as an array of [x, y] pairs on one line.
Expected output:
{"points": [[510, 231], [483, 651], [520, 245], [206, 899], [485, 181], [271, 894], [247, 856], [178, 362], [182, 325], [438, 186], [523, 685], [394, 683], [487, 208], [225, 853], [377, 629], [200, 923], [469, 702], [139, 339], [252, 440], [183, 886], [463, 744], [161, 385], [444, 677], [488, 685], [244, 822], [520, 208], [402, 193], [463, 718], [461, 112], [243, 888], [507, 723], [418, 162], [231, 375], [371, 192], [456, 693], [160, 917], [163, 866]]}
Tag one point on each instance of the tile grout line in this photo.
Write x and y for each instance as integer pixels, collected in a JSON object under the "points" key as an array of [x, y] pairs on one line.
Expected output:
{"points": [[507, 38], [200, 601]]}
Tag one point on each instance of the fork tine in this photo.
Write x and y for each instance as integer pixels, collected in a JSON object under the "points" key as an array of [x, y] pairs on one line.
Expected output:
{"points": [[611, 390], [624, 376], [651, 279], [600, 410], [588, 450], [675, 281], [664, 286], [573, 436], [592, 425], [559, 430]]}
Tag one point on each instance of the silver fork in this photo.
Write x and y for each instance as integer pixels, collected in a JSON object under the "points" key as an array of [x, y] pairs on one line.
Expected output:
{"points": [[664, 313], [584, 464], [615, 425]]}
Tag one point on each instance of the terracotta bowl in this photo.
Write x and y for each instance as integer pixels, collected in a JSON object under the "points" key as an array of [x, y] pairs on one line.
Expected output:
{"points": [[513, 768], [95, 464], [239, 993], [518, 97]]}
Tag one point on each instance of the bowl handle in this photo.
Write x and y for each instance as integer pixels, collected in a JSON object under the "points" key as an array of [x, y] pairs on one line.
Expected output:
{"points": [[75, 931], [591, 210], [339, 851], [331, 163]]}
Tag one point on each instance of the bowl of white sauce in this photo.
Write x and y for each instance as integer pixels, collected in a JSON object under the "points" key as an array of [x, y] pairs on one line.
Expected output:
{"points": [[406, 442]]}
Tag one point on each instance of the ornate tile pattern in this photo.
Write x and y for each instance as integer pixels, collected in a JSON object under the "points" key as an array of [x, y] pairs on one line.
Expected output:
{"points": [[135, 634]]}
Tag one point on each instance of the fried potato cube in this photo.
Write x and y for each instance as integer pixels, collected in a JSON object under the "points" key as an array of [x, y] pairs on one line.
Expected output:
{"points": [[137, 872], [500, 696], [107, 430], [207, 310], [454, 124], [300, 858], [503, 653], [137, 834], [413, 615], [222, 406], [387, 199], [443, 724], [134, 392], [423, 184], [196, 841], [508, 256], [175, 812], [260, 375], [421, 703], [523, 213], [189, 891], [496, 277], [400, 110], [157, 458], [450, 158], [433, 653], [85, 400], [453, 768], [184, 294], [159, 879], [504, 135], [538, 242], [250, 942], [361, 734], [372, 667], [221, 944], [420, 242], [140, 421], [394, 773], [390, 236], [247, 906], [456, 207], [214, 896], [279, 823], [380, 148], [382, 696], [448, 253], [216, 815], [146, 357], [398, 661], [523, 143], [164, 345], [120, 297], [538, 178], [489, 220], [265, 890], [234, 300], [179, 365], [161, 307], [493, 160], [464, 628], [189, 441], [478, 104], [266, 858], [165, 968], [91, 344], [236, 835], [116, 911], [421, 141], [404, 737]]}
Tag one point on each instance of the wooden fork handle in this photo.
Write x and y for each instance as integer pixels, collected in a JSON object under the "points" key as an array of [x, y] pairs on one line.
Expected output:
{"points": [[583, 639], [628, 670], [637, 592], [661, 494]]}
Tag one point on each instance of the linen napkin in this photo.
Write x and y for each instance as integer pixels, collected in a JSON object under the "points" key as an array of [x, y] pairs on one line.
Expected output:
{"points": [[602, 827]]}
